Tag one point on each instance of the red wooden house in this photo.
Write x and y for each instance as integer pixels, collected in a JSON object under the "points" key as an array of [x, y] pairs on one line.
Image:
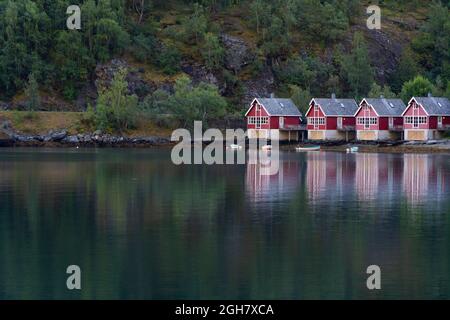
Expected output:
{"points": [[379, 119], [273, 118], [331, 119], [426, 118]]}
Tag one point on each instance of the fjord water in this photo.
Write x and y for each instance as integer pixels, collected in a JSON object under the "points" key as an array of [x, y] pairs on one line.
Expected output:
{"points": [[142, 228]]}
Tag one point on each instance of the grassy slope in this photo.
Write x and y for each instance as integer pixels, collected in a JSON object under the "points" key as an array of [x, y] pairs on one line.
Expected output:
{"points": [[43, 122]]}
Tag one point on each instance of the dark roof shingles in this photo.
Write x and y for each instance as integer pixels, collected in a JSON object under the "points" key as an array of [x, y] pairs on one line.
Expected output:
{"points": [[338, 107], [280, 107], [387, 107], [434, 106]]}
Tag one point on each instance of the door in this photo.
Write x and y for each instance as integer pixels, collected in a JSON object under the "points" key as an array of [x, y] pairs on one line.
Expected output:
{"points": [[439, 122], [281, 122], [339, 122], [391, 122], [258, 117]]}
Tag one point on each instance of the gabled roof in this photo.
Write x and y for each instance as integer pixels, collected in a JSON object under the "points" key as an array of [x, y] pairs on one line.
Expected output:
{"points": [[337, 107], [434, 106], [386, 107], [278, 107]]}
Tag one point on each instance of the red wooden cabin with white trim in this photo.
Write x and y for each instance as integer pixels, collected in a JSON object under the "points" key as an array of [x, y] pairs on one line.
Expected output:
{"points": [[379, 119], [331, 119], [273, 118], [426, 118]]}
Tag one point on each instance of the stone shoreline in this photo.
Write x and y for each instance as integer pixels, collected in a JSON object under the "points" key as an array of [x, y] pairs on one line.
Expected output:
{"points": [[61, 138]]}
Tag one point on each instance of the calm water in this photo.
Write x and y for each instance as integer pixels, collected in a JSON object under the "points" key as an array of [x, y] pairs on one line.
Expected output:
{"points": [[142, 228]]}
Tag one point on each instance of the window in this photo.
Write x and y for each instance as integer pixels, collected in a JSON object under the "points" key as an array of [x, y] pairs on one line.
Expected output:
{"points": [[258, 120], [416, 120], [316, 121], [367, 121]]}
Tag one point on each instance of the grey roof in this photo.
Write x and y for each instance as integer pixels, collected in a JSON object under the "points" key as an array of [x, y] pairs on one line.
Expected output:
{"points": [[337, 107], [280, 107], [434, 106], [387, 107]]}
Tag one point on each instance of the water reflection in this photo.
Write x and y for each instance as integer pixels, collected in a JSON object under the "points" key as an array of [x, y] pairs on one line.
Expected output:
{"points": [[424, 178], [143, 228], [371, 177], [260, 186]]}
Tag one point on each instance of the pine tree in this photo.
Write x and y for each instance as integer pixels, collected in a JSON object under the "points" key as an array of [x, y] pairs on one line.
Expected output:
{"points": [[32, 94], [357, 69]]}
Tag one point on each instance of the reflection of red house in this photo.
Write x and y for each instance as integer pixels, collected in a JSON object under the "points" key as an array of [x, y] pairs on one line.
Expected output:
{"points": [[367, 175], [426, 118], [261, 187], [376, 175], [416, 176], [328, 174], [331, 119], [273, 119], [379, 119]]}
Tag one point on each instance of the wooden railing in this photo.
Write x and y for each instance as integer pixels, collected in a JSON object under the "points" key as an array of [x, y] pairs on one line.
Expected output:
{"points": [[396, 127], [442, 126], [291, 127], [342, 127]]}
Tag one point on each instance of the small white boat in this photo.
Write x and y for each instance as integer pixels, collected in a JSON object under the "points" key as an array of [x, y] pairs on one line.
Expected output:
{"points": [[352, 150], [267, 148], [235, 146], [307, 149]]}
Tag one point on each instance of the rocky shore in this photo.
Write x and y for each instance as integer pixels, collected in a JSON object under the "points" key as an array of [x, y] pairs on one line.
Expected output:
{"points": [[62, 138]]}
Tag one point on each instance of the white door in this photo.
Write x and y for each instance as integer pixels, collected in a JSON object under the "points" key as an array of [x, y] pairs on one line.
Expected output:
{"points": [[440, 122], [391, 122], [339, 122], [281, 122]]}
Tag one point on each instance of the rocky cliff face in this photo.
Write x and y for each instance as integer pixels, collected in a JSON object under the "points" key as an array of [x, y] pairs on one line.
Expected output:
{"points": [[385, 48]]}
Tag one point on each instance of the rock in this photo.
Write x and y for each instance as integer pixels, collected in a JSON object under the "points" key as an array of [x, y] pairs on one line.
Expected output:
{"points": [[4, 105], [71, 139], [5, 126], [385, 49], [262, 86], [198, 73], [97, 132], [136, 85], [55, 135], [237, 53]]}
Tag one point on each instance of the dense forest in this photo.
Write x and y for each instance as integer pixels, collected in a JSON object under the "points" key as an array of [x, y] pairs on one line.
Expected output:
{"points": [[204, 58]]}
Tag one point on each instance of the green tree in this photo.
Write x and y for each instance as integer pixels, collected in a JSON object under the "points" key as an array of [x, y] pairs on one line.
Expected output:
{"points": [[377, 91], [32, 94], [357, 68], [447, 92], [169, 60], [195, 26], [406, 70], [190, 103], [72, 62], [418, 87], [212, 52], [433, 44], [116, 109], [301, 97], [261, 15]]}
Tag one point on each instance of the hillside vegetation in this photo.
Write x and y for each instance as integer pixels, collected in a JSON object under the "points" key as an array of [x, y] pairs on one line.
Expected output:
{"points": [[207, 58]]}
